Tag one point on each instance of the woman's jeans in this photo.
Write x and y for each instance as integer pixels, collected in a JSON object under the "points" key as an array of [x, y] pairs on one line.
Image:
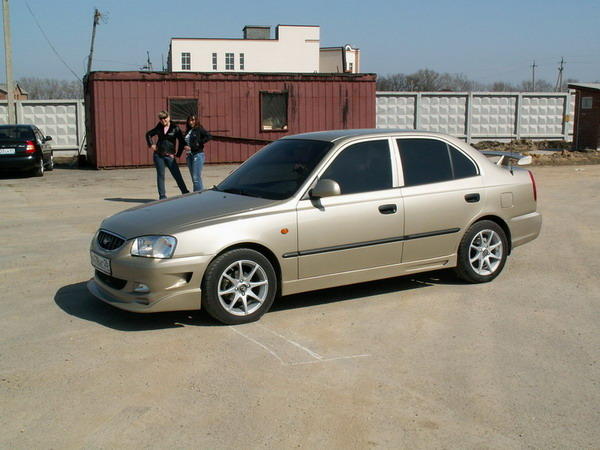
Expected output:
{"points": [[160, 161], [195, 163]]}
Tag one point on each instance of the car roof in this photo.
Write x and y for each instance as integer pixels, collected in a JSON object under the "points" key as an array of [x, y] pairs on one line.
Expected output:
{"points": [[339, 135], [18, 125]]}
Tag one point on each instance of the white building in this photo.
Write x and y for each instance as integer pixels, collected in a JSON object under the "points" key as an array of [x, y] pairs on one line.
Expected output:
{"points": [[339, 59], [295, 49]]}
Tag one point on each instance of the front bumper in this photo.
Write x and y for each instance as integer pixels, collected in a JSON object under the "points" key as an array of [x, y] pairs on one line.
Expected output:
{"points": [[173, 284]]}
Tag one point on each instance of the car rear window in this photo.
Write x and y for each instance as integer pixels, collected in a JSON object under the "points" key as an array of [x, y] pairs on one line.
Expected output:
{"points": [[16, 133]]}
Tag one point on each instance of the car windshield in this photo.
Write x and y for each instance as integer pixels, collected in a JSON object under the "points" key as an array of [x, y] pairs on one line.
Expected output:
{"points": [[278, 170], [16, 133]]}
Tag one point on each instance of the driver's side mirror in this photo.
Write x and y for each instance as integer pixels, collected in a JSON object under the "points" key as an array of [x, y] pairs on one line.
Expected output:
{"points": [[325, 188], [47, 138]]}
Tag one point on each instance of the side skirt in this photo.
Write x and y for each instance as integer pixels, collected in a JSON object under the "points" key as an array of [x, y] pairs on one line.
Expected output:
{"points": [[360, 276]]}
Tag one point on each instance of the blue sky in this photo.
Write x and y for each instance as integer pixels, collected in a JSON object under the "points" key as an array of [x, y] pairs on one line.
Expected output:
{"points": [[485, 40]]}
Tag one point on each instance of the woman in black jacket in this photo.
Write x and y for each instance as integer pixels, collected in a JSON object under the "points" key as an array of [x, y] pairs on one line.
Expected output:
{"points": [[195, 138], [164, 152]]}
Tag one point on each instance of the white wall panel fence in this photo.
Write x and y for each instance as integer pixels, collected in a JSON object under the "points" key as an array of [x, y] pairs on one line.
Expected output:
{"points": [[476, 116], [473, 116], [62, 119]]}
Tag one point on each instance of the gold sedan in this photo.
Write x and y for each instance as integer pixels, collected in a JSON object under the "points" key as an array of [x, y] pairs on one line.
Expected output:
{"points": [[317, 210]]}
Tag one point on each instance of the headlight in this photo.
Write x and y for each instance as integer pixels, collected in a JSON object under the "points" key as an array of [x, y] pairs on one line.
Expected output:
{"points": [[154, 246]]}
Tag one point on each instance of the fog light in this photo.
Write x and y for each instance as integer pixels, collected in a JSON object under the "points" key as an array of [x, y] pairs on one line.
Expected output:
{"points": [[140, 288]]}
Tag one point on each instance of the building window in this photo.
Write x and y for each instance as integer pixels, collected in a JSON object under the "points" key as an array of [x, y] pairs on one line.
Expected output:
{"points": [[586, 102], [229, 61], [214, 61], [351, 67], [181, 108], [186, 61], [242, 61], [273, 111]]}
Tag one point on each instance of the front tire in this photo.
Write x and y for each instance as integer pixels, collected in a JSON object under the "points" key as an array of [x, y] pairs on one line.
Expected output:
{"points": [[239, 286], [482, 252]]}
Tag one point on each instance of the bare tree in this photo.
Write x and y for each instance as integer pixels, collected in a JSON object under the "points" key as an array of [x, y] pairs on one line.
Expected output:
{"points": [[427, 80], [50, 88], [395, 82]]}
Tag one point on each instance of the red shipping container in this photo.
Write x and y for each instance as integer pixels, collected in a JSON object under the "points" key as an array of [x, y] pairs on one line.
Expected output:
{"points": [[122, 106]]}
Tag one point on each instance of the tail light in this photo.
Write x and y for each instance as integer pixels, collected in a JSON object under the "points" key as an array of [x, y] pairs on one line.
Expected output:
{"points": [[533, 185], [30, 147]]}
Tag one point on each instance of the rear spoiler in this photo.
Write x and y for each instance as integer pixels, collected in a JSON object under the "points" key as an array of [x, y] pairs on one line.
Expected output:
{"points": [[506, 157]]}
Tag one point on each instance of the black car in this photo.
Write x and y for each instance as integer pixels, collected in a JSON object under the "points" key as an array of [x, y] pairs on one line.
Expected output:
{"points": [[24, 147]]}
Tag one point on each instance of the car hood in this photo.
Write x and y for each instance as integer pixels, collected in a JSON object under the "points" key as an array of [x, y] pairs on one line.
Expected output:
{"points": [[169, 216]]}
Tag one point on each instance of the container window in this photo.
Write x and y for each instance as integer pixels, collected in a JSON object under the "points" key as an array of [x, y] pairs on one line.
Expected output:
{"points": [[586, 102], [181, 108], [273, 111]]}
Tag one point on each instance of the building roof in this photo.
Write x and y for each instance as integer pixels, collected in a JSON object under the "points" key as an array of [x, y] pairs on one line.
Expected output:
{"points": [[592, 86], [3, 88]]}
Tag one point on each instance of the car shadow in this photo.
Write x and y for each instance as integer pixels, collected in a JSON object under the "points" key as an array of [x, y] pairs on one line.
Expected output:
{"points": [[130, 200], [15, 174], [77, 301]]}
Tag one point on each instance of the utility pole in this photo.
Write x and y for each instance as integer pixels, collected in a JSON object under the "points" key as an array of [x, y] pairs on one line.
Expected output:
{"points": [[533, 66], [559, 81], [148, 63], [97, 16], [10, 88]]}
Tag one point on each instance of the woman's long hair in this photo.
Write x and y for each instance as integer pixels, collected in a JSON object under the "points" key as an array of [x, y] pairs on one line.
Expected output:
{"points": [[196, 122]]}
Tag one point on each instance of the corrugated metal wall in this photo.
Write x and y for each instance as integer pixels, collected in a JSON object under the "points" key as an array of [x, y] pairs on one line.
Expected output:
{"points": [[480, 115], [123, 106]]}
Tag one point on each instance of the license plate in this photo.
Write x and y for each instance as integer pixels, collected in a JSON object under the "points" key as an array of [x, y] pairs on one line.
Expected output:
{"points": [[7, 151], [101, 263]]}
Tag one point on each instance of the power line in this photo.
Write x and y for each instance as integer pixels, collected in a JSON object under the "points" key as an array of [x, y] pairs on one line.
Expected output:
{"points": [[50, 43]]}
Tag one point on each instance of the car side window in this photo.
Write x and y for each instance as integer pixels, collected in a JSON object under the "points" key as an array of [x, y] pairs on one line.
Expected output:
{"points": [[462, 166], [424, 161], [431, 161], [362, 167]]}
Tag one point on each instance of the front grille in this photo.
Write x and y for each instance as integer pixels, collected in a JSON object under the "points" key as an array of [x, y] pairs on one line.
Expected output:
{"points": [[115, 283], [109, 241]]}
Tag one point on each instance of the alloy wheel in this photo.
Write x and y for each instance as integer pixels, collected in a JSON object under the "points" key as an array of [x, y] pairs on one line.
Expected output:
{"points": [[485, 252], [243, 287]]}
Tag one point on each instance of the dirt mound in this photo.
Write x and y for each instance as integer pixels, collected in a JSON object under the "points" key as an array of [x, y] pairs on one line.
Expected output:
{"points": [[544, 153]]}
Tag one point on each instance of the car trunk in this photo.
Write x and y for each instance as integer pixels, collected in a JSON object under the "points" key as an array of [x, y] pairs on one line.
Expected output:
{"points": [[16, 141]]}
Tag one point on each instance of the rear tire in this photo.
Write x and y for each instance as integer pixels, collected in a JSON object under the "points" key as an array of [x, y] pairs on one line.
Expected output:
{"points": [[50, 165], [38, 171], [239, 286], [482, 252]]}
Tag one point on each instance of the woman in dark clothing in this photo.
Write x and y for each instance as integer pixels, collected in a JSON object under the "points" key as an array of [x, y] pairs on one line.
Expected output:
{"points": [[164, 152], [195, 138]]}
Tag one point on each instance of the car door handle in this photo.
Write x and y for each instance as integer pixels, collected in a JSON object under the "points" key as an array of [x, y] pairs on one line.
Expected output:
{"points": [[472, 198], [388, 209]]}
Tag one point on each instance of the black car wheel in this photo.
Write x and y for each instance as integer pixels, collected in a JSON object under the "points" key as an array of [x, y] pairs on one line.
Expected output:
{"points": [[239, 286], [38, 171], [482, 252], [50, 163]]}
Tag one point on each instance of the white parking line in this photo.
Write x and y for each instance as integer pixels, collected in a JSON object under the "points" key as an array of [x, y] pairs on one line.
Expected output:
{"points": [[289, 356]]}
